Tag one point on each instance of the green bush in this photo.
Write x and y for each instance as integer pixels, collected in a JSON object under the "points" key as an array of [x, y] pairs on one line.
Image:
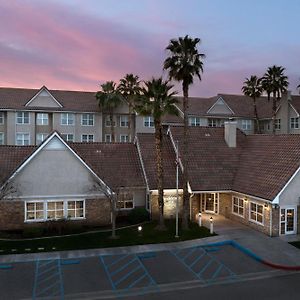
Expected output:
{"points": [[33, 232], [138, 215]]}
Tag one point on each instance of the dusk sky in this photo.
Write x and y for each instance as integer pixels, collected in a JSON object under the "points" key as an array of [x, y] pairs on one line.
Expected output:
{"points": [[78, 44]]}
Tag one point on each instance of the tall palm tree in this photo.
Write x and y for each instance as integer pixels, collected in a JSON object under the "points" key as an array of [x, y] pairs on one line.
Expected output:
{"points": [[108, 100], [183, 63], [157, 100], [275, 82], [130, 88], [252, 88]]}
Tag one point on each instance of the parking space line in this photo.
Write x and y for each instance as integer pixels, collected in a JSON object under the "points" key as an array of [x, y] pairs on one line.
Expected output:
{"points": [[122, 268], [126, 275], [118, 260], [107, 273]]}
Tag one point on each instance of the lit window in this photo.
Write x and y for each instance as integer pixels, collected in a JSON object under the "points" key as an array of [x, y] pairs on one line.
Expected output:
{"points": [[108, 138], [55, 210], [246, 124], [1, 138], [69, 137], [256, 212], [87, 138], [238, 206], [67, 119], [148, 122], [124, 121], [87, 119], [125, 201], [108, 122], [22, 117], [1, 117], [294, 123], [124, 138], [194, 121], [215, 122], [34, 211], [277, 124], [22, 139], [75, 209], [40, 137], [42, 119]]}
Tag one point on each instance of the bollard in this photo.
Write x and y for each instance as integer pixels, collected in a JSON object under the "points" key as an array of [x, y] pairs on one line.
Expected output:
{"points": [[199, 219], [211, 225]]}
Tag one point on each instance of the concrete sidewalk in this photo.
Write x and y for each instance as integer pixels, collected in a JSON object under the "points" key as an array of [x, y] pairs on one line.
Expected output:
{"points": [[274, 250]]}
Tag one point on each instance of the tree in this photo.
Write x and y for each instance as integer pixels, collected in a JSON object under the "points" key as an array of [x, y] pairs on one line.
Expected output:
{"points": [[298, 87], [183, 63], [158, 100], [252, 88], [275, 82], [129, 88], [109, 99], [8, 188]]}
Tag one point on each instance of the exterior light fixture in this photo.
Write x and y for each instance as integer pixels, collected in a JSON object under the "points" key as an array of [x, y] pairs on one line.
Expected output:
{"points": [[211, 225], [140, 228], [266, 205], [199, 219], [246, 199]]}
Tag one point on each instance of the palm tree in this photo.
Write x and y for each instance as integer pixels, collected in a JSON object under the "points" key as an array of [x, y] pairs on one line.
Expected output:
{"points": [[183, 63], [275, 82], [108, 100], [130, 88], [252, 88], [158, 100]]}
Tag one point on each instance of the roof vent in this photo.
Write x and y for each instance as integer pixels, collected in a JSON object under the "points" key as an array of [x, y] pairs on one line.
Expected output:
{"points": [[207, 134], [98, 151]]}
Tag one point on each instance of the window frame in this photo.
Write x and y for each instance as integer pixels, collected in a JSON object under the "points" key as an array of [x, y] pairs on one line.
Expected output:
{"points": [[256, 213], [239, 207], [67, 139], [87, 119], [110, 138], [131, 200], [107, 122], [148, 122], [126, 122], [194, 121], [36, 137], [35, 211], [246, 124], [294, 122], [68, 119], [67, 209], [88, 135], [127, 139], [22, 118], [277, 124], [22, 133], [2, 139], [2, 118], [42, 119]]}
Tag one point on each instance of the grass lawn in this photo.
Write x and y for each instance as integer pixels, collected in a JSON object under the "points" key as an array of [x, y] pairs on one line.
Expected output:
{"points": [[127, 237]]}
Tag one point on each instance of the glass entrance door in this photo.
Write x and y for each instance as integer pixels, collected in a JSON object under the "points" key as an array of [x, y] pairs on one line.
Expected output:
{"points": [[210, 202], [287, 221]]}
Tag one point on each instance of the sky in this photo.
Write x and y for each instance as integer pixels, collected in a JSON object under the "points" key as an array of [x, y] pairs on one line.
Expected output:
{"points": [[80, 44]]}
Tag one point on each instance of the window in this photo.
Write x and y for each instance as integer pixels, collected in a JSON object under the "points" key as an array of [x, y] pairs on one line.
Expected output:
{"points": [[69, 137], [124, 121], [108, 123], [124, 138], [87, 119], [246, 124], [238, 206], [1, 117], [22, 139], [1, 138], [215, 122], [125, 201], [75, 209], [256, 212], [22, 117], [87, 138], [67, 119], [108, 138], [148, 122], [194, 121], [34, 211], [55, 210], [42, 119], [277, 124], [294, 123], [40, 137]]}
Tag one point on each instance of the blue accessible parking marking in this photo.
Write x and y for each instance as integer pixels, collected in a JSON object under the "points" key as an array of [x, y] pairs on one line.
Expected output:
{"points": [[5, 266], [48, 280], [127, 272], [206, 267]]}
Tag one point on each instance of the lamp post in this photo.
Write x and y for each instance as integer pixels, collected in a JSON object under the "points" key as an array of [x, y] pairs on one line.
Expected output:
{"points": [[177, 196], [211, 225], [200, 219]]}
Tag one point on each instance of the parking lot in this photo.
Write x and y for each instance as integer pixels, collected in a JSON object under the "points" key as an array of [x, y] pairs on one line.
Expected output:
{"points": [[122, 274]]}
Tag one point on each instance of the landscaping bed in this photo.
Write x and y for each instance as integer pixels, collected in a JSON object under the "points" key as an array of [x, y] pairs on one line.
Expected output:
{"points": [[126, 237]]}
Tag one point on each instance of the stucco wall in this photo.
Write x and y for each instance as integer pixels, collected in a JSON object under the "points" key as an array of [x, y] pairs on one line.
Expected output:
{"points": [[290, 196]]}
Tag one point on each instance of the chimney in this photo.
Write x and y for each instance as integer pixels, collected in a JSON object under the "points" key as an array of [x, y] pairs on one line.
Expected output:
{"points": [[230, 133]]}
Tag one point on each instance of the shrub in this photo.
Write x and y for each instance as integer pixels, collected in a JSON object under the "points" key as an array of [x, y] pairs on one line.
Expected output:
{"points": [[33, 232], [138, 215]]}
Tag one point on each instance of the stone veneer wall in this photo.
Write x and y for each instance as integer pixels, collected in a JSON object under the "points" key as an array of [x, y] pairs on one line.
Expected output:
{"points": [[97, 212]]}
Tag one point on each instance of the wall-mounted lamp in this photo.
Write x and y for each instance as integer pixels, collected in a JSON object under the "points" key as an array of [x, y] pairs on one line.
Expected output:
{"points": [[266, 205]]}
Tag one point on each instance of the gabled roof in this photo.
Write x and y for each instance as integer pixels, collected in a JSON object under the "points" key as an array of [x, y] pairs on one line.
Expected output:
{"points": [[220, 107], [147, 147], [16, 98]]}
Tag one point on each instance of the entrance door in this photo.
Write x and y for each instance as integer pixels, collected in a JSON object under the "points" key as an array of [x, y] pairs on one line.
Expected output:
{"points": [[210, 202], [287, 221]]}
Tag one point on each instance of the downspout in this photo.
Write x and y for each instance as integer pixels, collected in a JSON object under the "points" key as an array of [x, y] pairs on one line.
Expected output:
{"points": [[271, 221]]}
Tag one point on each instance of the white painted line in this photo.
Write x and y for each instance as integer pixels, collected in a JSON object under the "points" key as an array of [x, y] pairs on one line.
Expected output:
{"points": [[41, 248], [28, 249], [13, 250]]}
